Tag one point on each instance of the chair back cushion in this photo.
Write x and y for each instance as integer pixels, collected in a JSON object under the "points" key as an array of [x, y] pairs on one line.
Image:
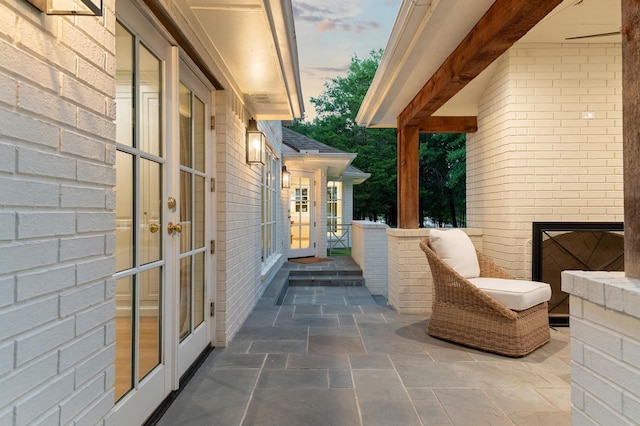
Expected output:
{"points": [[514, 294], [455, 248]]}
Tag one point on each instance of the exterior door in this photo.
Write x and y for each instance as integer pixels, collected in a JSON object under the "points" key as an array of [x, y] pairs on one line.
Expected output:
{"points": [[191, 214], [301, 207], [162, 169], [142, 376]]}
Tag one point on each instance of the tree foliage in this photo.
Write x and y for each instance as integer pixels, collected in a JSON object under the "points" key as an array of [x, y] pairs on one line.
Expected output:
{"points": [[442, 156], [443, 178], [335, 125]]}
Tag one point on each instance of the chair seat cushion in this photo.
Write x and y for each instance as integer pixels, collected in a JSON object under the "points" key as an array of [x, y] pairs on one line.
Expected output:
{"points": [[517, 295]]}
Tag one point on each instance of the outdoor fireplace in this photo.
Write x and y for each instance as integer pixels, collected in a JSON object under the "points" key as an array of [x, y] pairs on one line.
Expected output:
{"points": [[583, 246]]}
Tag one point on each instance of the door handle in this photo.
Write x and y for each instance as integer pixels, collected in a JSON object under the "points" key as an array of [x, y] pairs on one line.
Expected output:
{"points": [[174, 228], [154, 227]]}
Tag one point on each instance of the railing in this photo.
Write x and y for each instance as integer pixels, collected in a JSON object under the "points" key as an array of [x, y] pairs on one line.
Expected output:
{"points": [[338, 237], [586, 246]]}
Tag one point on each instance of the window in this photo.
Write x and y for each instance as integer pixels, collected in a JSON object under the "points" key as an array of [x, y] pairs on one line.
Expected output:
{"points": [[334, 206], [269, 205]]}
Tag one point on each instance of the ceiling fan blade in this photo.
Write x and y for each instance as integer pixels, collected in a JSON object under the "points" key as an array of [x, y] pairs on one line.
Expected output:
{"points": [[593, 35]]}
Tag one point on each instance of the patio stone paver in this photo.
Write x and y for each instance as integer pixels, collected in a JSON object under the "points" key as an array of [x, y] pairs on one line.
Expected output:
{"points": [[466, 406], [356, 363], [335, 345], [385, 412], [301, 407], [293, 379]]}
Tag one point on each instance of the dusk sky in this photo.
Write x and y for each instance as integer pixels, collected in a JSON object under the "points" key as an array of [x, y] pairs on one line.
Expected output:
{"points": [[330, 32]]}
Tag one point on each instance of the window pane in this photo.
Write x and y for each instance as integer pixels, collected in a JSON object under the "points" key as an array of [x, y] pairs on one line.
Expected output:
{"points": [[150, 102], [150, 317], [124, 211], [124, 86], [150, 211], [198, 213], [185, 297], [185, 211], [124, 336], [185, 126], [267, 239], [198, 289], [199, 129]]}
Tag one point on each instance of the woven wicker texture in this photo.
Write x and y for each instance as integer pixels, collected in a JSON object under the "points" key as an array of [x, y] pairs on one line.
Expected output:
{"points": [[464, 314]]}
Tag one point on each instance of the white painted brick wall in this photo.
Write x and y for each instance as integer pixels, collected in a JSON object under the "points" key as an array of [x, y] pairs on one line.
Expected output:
{"points": [[605, 349], [56, 160], [370, 252], [238, 282], [41, 283], [534, 158]]}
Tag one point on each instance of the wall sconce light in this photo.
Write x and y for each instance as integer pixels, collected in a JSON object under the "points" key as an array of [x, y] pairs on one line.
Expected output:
{"points": [[286, 177], [255, 144], [68, 7]]}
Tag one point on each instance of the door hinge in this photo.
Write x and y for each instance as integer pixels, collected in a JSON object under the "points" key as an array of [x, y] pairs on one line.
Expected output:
{"points": [[213, 122], [213, 184], [212, 309], [213, 247], [314, 245]]}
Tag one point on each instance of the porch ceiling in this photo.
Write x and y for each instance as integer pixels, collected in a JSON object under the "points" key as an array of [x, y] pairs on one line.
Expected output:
{"points": [[255, 43], [426, 32]]}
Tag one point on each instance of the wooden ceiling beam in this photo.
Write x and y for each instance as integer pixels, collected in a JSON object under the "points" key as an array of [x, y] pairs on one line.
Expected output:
{"points": [[439, 124], [504, 23]]}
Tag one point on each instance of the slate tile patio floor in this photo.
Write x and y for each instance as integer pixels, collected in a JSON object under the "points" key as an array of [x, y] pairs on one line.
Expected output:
{"points": [[335, 356]]}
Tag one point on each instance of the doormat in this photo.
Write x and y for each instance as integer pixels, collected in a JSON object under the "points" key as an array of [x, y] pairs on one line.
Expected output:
{"points": [[310, 259]]}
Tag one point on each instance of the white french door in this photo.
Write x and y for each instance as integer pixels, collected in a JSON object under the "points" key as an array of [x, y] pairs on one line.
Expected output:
{"points": [[142, 377], [192, 214], [301, 207], [162, 169]]}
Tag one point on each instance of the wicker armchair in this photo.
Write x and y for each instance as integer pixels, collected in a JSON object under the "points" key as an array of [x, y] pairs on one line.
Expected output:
{"points": [[464, 314]]}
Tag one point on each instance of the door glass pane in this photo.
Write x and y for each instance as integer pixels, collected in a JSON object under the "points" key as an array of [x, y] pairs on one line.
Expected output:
{"points": [[124, 86], [199, 134], [198, 289], [124, 211], [150, 211], [198, 218], [150, 317], [124, 336], [150, 104], [185, 211], [185, 126], [185, 297]]}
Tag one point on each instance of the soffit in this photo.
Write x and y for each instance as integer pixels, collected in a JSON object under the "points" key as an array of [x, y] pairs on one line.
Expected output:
{"points": [[427, 32], [254, 42]]}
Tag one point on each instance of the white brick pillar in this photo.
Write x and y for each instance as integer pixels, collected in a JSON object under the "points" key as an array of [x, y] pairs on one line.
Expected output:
{"points": [[369, 250], [605, 347]]}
